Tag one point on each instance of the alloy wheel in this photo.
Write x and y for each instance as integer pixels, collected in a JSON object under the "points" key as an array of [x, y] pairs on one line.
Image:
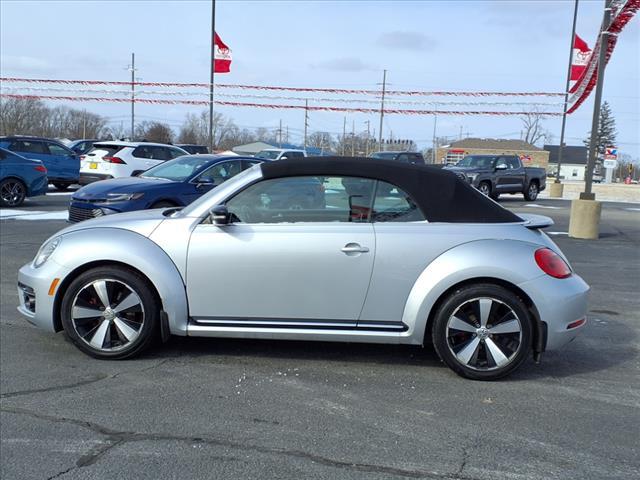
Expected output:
{"points": [[12, 193], [533, 191], [484, 334], [484, 189], [107, 315]]}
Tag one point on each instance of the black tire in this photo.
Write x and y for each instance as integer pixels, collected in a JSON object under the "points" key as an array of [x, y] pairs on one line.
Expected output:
{"points": [[12, 192], [495, 196], [61, 186], [163, 204], [485, 188], [531, 193], [141, 319], [466, 346]]}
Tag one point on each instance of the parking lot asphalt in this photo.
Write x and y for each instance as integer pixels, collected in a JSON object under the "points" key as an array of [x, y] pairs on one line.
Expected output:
{"points": [[220, 408]]}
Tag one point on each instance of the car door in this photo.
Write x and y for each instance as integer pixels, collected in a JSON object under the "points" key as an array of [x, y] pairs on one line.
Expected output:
{"points": [[502, 176], [517, 174], [276, 265], [67, 161]]}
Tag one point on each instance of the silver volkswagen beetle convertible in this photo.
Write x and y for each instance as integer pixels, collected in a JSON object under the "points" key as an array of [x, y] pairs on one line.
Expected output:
{"points": [[330, 249]]}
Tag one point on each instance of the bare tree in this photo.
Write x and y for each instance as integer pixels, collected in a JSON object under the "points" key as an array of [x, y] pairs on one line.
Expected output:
{"points": [[154, 132], [533, 131]]}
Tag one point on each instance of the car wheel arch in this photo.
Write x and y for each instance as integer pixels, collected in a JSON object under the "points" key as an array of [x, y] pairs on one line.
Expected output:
{"points": [[539, 329], [143, 256], [489, 261]]}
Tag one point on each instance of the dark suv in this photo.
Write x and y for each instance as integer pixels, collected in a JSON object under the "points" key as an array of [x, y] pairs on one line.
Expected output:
{"points": [[402, 157]]}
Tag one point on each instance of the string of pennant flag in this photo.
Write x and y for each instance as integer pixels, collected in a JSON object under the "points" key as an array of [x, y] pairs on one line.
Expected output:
{"points": [[274, 106]]}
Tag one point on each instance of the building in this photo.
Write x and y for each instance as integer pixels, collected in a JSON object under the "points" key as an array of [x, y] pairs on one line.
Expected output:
{"points": [[574, 161], [530, 155]]}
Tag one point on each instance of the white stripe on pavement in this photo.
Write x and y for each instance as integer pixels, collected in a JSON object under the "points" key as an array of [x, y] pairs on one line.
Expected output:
{"points": [[535, 205], [34, 215], [558, 233]]}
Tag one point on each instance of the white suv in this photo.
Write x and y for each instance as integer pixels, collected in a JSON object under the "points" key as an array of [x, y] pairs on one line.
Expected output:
{"points": [[280, 153], [123, 159]]}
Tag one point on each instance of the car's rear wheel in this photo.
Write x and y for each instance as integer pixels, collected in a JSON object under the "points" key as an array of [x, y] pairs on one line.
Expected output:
{"points": [[12, 192], [110, 313], [482, 331], [61, 186], [532, 192]]}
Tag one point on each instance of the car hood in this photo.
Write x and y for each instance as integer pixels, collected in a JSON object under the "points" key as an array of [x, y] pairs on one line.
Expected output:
{"points": [[119, 185], [467, 170], [143, 222]]}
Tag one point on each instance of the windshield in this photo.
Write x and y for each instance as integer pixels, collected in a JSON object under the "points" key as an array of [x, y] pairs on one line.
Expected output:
{"points": [[178, 169], [477, 161], [384, 155], [268, 154]]}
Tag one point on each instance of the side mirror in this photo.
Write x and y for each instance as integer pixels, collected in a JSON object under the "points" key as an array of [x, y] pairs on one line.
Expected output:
{"points": [[220, 215], [502, 166], [284, 157]]}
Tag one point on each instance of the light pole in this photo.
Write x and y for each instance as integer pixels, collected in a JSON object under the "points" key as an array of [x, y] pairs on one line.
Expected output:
{"points": [[212, 66]]}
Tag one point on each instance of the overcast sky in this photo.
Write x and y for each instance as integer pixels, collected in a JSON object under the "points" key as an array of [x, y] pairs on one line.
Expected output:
{"points": [[428, 45]]}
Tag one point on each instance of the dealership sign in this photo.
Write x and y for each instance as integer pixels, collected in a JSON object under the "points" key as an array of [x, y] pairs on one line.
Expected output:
{"points": [[611, 153]]}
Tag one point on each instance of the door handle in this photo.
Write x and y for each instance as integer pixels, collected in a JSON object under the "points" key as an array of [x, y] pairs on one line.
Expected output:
{"points": [[354, 248]]}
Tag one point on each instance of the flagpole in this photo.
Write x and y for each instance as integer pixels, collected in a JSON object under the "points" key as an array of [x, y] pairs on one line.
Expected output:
{"points": [[566, 93], [212, 66]]}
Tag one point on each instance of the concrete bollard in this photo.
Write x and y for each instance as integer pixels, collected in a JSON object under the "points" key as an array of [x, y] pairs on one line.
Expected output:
{"points": [[584, 221], [556, 190]]}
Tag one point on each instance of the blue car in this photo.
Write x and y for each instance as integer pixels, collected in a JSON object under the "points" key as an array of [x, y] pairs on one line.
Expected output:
{"points": [[63, 165], [20, 178], [175, 183]]}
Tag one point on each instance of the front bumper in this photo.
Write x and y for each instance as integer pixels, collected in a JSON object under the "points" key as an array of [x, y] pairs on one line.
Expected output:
{"points": [[33, 291], [560, 303]]}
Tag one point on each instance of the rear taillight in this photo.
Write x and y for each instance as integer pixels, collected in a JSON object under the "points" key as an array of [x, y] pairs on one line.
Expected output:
{"points": [[552, 264], [114, 160], [41, 168]]}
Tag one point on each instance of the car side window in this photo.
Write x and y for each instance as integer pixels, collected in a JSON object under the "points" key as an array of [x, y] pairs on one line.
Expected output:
{"points": [[29, 146], [220, 172], [174, 153], [394, 205], [248, 164], [403, 158], [2, 155], [502, 161], [57, 150], [513, 163], [142, 151], [304, 199]]}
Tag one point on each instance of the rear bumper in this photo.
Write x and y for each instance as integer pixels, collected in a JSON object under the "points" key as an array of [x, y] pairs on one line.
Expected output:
{"points": [[87, 178], [560, 303]]}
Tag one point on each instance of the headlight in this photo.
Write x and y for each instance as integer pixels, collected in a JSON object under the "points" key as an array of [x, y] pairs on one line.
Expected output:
{"points": [[45, 251], [123, 197], [472, 176]]}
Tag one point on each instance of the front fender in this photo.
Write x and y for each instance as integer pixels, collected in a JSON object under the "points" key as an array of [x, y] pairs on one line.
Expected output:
{"points": [[103, 245], [510, 261]]}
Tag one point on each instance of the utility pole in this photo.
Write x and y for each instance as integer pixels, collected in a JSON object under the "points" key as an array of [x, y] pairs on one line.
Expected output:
{"points": [[280, 134], [566, 96], [287, 137], [460, 137], [306, 122], [366, 150], [593, 147], [344, 134], [353, 138], [384, 87], [212, 66], [434, 147], [133, 94], [84, 124]]}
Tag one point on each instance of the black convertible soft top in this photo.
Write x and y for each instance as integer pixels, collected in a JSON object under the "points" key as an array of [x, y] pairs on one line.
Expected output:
{"points": [[440, 194]]}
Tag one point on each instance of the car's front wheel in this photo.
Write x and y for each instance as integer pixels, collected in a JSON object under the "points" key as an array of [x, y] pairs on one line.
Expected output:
{"points": [[485, 188], [482, 331], [110, 313]]}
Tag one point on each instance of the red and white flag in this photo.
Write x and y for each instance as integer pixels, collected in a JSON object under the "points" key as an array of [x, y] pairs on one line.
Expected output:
{"points": [[221, 56], [581, 54]]}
